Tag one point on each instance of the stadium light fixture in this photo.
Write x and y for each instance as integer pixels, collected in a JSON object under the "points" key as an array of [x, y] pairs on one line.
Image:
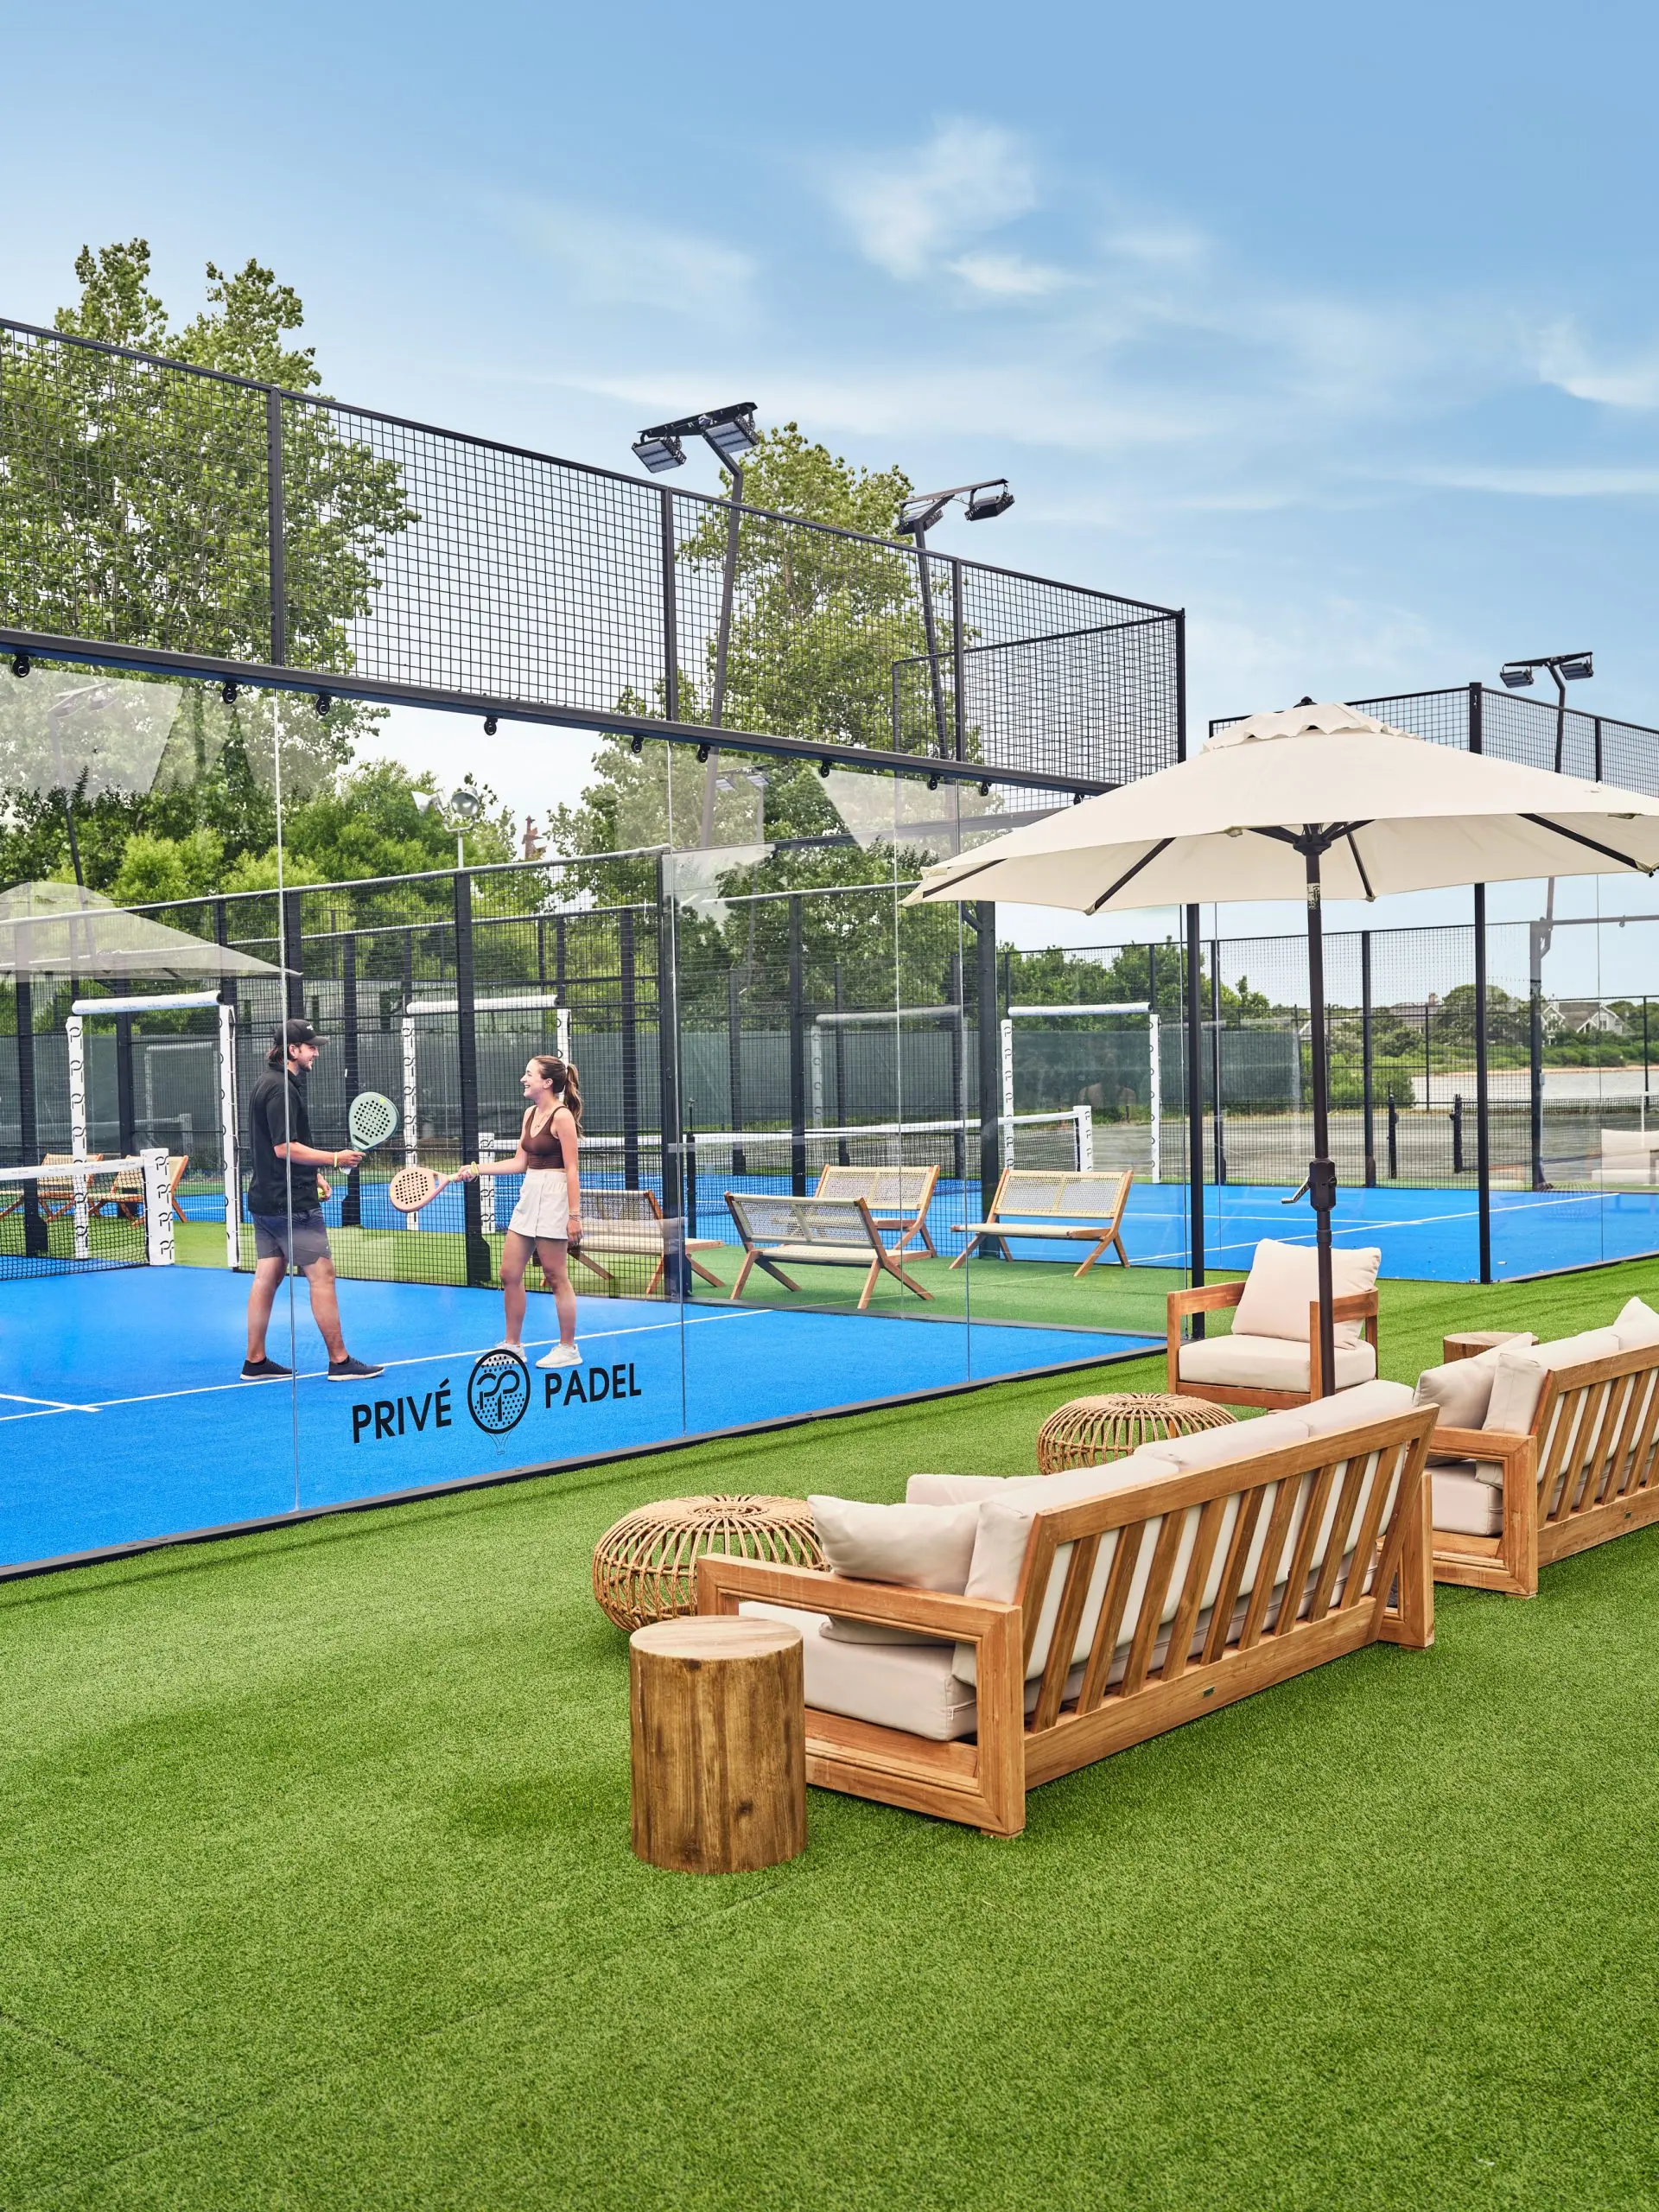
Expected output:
{"points": [[1564, 669], [990, 500], [730, 432], [922, 510]]}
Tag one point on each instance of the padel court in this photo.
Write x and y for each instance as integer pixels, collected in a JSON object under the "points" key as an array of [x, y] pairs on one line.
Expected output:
{"points": [[122, 1419]]}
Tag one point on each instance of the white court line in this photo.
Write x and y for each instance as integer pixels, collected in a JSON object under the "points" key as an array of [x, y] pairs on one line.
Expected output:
{"points": [[320, 1374]]}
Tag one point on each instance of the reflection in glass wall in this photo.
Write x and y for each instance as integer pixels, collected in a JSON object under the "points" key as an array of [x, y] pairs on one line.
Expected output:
{"points": [[124, 1323]]}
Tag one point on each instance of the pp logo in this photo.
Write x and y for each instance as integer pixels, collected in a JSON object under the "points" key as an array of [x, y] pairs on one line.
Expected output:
{"points": [[498, 1392]]}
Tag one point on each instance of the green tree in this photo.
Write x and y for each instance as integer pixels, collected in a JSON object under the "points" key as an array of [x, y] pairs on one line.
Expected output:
{"points": [[136, 511]]}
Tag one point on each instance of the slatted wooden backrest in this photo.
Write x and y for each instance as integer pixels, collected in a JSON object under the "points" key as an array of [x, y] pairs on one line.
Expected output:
{"points": [[1060, 1194], [628, 1209], [1199, 1569], [1597, 1427], [885, 1190]]}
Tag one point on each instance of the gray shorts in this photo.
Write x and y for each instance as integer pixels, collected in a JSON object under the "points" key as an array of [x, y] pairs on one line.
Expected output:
{"points": [[301, 1243]]}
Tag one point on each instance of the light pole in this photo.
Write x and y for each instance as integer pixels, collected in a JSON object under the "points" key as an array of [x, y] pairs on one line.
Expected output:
{"points": [[1517, 674], [918, 514], [730, 433]]}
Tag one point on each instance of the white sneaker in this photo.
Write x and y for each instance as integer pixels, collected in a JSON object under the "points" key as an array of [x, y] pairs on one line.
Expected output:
{"points": [[561, 1356]]}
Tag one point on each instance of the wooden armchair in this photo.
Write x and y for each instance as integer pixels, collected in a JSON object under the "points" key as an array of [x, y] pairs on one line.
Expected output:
{"points": [[1586, 1469], [1272, 1355], [1160, 1600], [1217, 1297]]}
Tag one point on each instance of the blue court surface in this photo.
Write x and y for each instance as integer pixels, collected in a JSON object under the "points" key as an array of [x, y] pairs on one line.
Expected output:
{"points": [[1425, 1235], [122, 1419]]}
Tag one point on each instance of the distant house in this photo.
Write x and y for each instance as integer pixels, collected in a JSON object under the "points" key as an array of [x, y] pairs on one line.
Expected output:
{"points": [[1584, 1018]]}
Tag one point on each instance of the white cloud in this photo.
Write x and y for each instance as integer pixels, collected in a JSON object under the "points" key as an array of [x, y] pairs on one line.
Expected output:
{"points": [[1565, 482], [612, 260], [1564, 360], [1007, 277], [908, 211]]}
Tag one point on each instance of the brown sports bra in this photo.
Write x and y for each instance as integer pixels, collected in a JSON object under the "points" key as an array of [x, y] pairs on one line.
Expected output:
{"points": [[540, 1146]]}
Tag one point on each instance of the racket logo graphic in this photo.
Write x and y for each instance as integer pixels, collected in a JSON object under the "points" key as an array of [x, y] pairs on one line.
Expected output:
{"points": [[498, 1392]]}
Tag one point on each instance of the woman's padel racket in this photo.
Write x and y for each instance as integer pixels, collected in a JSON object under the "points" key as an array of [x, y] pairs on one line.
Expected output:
{"points": [[411, 1188], [370, 1119]]}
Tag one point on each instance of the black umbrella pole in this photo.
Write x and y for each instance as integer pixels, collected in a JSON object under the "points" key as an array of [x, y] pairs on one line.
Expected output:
{"points": [[1321, 1169]]}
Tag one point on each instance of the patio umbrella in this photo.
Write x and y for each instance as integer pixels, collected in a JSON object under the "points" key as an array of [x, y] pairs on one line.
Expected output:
{"points": [[1318, 800]]}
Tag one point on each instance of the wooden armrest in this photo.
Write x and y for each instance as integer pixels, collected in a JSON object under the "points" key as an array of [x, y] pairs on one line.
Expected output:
{"points": [[723, 1580], [1354, 1306], [1212, 1295], [1477, 1444]]}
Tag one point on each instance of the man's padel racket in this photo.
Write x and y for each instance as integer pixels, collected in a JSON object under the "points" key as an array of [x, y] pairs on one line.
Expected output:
{"points": [[411, 1188], [370, 1119]]}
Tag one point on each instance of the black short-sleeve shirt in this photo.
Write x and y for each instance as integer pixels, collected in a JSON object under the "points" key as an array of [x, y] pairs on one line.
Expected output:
{"points": [[276, 1115]]}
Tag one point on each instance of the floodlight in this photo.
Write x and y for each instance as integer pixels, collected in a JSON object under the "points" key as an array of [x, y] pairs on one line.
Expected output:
{"points": [[1578, 668], [466, 804], [919, 516], [987, 500], [733, 435], [658, 452], [1516, 674], [423, 800]]}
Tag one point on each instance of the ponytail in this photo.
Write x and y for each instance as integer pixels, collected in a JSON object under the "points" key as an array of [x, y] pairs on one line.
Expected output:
{"points": [[564, 1081]]}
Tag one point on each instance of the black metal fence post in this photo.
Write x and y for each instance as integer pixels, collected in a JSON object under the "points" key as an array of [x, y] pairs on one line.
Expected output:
{"points": [[670, 611], [1394, 1142], [480, 1263], [293, 942], [1367, 1059], [958, 663], [351, 1206], [956, 1025], [28, 1132], [1535, 1050], [276, 528], [990, 1068], [1457, 1132], [1217, 1118], [843, 1157], [670, 1119], [735, 1064], [797, 1052], [630, 1053], [126, 1103]]}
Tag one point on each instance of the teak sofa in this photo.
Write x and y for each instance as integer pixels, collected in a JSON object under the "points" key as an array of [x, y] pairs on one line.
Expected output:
{"points": [[1584, 1470], [1133, 1598], [1271, 1357]]}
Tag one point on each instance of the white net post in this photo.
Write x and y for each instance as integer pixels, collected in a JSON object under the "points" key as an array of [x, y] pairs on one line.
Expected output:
{"points": [[231, 1140], [1084, 1118], [1156, 1094], [158, 1208], [818, 1076], [75, 1034], [411, 1097], [563, 1032]]}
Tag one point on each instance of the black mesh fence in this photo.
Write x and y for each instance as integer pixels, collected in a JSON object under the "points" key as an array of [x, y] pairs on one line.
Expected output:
{"points": [[148, 504]]}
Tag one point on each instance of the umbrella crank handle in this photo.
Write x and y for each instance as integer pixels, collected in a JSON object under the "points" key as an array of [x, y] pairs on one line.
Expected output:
{"points": [[1321, 1179]]}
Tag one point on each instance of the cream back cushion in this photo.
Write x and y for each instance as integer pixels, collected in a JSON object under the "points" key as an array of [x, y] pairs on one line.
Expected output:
{"points": [[1636, 1326], [1284, 1282], [1462, 1389], [1519, 1382], [962, 1490], [917, 1547]]}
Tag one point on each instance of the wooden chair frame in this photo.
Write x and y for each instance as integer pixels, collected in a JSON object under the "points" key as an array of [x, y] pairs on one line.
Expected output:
{"points": [[651, 1219], [983, 1784], [996, 1228], [1357, 1305], [125, 1191], [1597, 1477], [881, 1259], [910, 1223], [57, 1197]]}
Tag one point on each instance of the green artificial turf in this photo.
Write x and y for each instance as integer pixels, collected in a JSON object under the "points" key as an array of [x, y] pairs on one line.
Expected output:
{"points": [[315, 1891]]}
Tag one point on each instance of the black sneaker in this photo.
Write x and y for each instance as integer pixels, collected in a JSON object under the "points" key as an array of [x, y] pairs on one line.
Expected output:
{"points": [[265, 1370], [351, 1370]]}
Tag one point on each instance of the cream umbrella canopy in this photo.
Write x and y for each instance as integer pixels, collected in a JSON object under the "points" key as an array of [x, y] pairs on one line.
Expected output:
{"points": [[1317, 800]]}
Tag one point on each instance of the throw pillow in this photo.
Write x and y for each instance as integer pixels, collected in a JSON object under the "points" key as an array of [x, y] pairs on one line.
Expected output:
{"points": [[917, 1547], [1284, 1282], [1637, 1327]]}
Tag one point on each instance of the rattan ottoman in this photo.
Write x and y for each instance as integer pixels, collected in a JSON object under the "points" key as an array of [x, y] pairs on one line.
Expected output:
{"points": [[1087, 1432], [645, 1567]]}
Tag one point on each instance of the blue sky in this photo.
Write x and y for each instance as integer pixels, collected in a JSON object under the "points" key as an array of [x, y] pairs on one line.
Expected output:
{"points": [[1339, 327]]}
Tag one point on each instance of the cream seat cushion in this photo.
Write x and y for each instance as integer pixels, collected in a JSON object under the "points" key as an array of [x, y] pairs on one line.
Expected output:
{"points": [[1258, 1362], [896, 1686], [1464, 1502], [1284, 1282]]}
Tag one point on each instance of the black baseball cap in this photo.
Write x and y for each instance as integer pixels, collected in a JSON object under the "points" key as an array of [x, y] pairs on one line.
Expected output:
{"points": [[295, 1033]]}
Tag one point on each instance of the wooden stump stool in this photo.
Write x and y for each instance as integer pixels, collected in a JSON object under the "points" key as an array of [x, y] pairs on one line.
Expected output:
{"points": [[718, 1745]]}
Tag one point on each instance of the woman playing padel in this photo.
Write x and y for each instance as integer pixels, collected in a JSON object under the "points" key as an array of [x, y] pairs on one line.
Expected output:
{"points": [[547, 1219]]}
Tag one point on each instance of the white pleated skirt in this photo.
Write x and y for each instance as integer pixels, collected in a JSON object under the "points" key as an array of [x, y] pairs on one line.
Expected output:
{"points": [[543, 1207]]}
